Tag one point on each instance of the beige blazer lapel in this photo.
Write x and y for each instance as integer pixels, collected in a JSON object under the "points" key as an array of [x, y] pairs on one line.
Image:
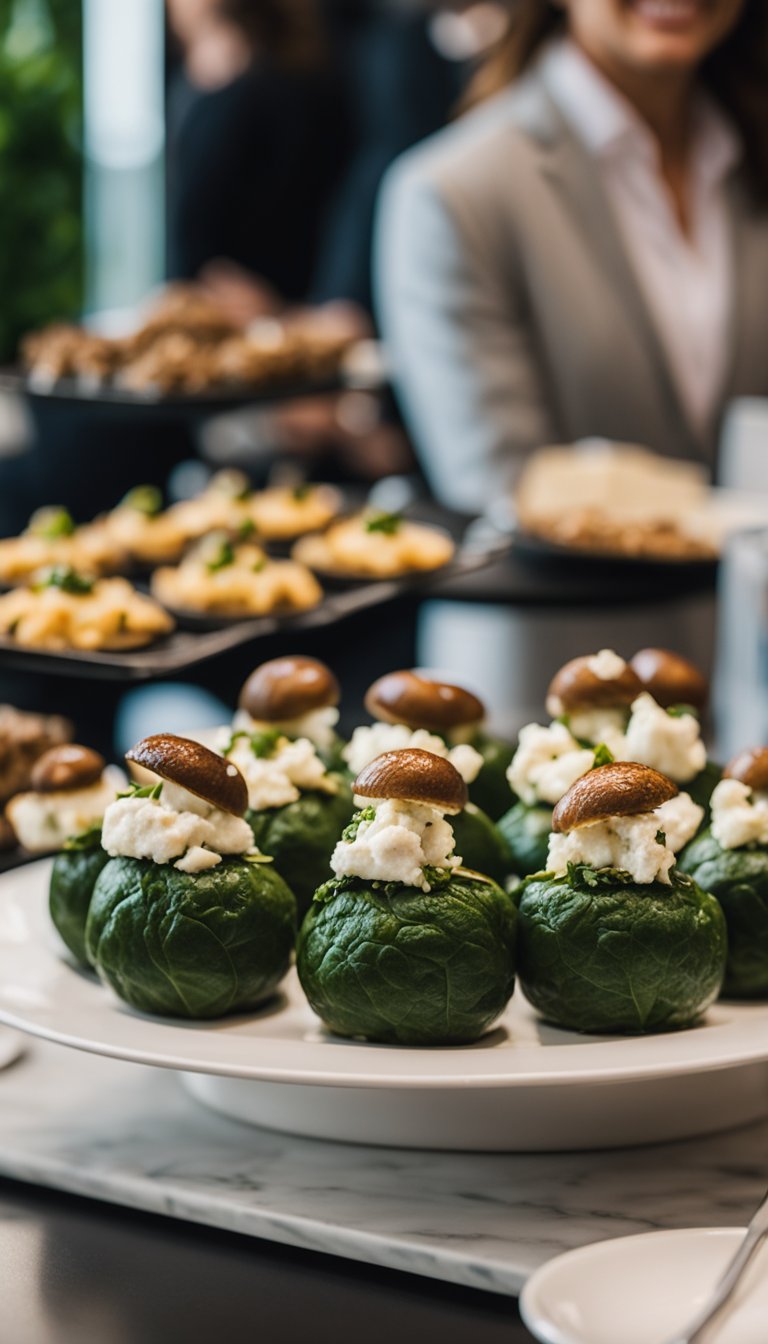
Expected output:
{"points": [[574, 175]]}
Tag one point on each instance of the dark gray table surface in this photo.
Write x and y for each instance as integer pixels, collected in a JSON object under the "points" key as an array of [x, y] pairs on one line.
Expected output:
{"points": [[76, 1272]]}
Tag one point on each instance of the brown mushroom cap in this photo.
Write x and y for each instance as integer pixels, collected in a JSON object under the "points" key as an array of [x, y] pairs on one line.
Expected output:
{"points": [[194, 768], [414, 776], [576, 687], [69, 766], [670, 678], [750, 767], [405, 697], [623, 789], [285, 688]]}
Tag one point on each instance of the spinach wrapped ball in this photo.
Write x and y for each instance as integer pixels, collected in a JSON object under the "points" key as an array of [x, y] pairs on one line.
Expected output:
{"points": [[402, 946], [297, 809], [70, 789], [730, 861], [413, 711], [614, 938], [188, 919]]}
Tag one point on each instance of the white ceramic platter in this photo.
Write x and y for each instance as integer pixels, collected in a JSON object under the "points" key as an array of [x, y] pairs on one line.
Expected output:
{"points": [[644, 1290], [525, 1086]]}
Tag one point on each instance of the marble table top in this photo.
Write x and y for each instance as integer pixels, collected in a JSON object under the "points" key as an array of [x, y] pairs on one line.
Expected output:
{"points": [[130, 1135]]}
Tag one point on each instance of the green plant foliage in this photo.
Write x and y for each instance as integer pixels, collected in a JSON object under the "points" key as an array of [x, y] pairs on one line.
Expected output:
{"points": [[394, 964], [193, 945], [738, 879], [481, 845], [41, 241], [491, 791], [526, 830], [302, 836], [73, 879], [599, 953]]}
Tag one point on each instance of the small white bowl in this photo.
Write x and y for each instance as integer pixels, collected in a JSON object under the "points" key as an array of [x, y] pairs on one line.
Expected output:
{"points": [[644, 1290]]}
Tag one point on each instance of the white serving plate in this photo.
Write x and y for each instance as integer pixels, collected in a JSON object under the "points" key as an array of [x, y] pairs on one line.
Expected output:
{"points": [[644, 1290], [525, 1086]]}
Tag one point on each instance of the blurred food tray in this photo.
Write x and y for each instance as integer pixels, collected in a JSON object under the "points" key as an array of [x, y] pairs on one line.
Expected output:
{"points": [[362, 368], [193, 644]]}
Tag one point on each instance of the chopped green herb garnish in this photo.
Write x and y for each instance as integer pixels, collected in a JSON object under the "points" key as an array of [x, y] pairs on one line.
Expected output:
{"points": [[263, 744], [52, 523], [387, 523], [350, 832], [603, 756], [436, 877], [67, 579], [146, 499], [134, 790], [221, 558], [302, 492], [246, 530], [680, 711], [661, 837], [260, 565]]}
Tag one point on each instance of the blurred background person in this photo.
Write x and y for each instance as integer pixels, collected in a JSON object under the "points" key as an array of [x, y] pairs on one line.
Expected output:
{"points": [[256, 142], [586, 252]]}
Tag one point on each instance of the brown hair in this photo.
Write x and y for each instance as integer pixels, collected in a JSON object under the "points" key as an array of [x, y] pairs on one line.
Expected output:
{"points": [[287, 32], [736, 73]]}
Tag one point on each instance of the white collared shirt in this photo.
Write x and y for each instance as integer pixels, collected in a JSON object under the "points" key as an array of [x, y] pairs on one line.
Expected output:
{"points": [[687, 282]]}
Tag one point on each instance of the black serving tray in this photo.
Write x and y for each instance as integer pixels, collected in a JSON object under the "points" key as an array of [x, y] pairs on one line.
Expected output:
{"points": [[188, 647], [214, 401]]}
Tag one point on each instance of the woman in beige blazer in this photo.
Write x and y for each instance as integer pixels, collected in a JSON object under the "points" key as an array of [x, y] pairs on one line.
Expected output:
{"points": [[586, 251]]}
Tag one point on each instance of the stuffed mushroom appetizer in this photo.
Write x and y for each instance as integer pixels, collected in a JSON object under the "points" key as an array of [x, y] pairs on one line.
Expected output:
{"points": [[298, 695], [414, 711], [457, 716], [187, 919], [404, 945], [613, 937], [70, 789], [730, 860], [297, 806], [601, 712]]}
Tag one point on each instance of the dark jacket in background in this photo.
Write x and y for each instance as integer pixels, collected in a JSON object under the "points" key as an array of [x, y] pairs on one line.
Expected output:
{"points": [[399, 89], [251, 168]]}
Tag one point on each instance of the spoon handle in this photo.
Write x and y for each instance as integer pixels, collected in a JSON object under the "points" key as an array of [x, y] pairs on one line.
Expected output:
{"points": [[732, 1276]]}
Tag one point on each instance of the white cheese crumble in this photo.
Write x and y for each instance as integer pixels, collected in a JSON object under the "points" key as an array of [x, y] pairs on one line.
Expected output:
{"points": [[679, 819], [627, 843], [280, 778], [372, 740], [319, 725], [606, 665], [176, 828], [547, 762], [44, 821], [397, 844], [601, 725], [664, 741], [739, 816]]}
